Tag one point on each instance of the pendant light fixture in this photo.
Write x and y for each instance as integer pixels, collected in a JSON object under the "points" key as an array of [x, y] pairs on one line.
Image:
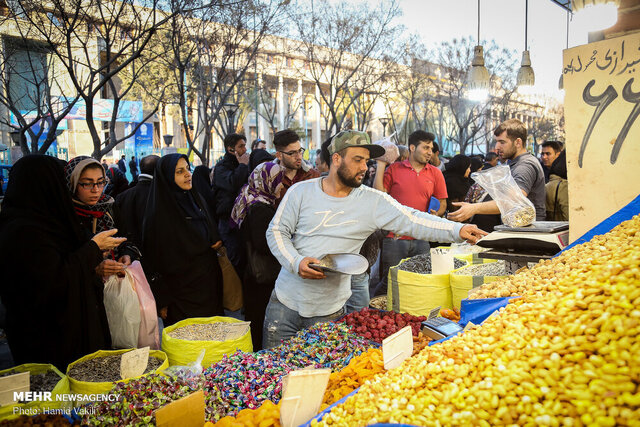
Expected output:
{"points": [[478, 80], [595, 15], [526, 77]]}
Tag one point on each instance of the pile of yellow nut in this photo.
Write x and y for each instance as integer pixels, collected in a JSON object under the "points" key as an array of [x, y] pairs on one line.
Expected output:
{"points": [[567, 353]]}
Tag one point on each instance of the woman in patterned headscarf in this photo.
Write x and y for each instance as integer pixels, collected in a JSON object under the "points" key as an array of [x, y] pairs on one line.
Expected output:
{"points": [[86, 181], [252, 212]]}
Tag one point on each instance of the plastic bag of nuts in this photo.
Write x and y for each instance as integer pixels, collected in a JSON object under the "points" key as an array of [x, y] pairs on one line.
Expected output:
{"points": [[516, 210]]}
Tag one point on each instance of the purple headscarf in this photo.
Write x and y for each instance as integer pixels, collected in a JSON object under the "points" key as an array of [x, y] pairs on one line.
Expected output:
{"points": [[264, 185]]}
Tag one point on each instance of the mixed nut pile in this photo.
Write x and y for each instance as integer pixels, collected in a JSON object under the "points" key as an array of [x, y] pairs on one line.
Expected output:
{"points": [[564, 354]]}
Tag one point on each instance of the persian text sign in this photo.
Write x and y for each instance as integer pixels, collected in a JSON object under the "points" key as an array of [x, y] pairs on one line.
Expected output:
{"points": [[602, 104]]}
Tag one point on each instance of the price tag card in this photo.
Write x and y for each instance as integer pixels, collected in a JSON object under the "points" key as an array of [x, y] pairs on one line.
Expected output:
{"points": [[234, 331], [185, 412], [133, 363], [397, 347], [302, 393], [13, 383], [434, 312], [469, 326], [441, 261]]}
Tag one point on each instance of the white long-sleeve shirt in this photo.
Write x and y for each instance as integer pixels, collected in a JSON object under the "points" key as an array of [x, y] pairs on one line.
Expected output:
{"points": [[311, 223]]}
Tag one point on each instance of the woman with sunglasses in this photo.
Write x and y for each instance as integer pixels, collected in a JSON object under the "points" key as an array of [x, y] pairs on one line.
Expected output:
{"points": [[87, 180]]}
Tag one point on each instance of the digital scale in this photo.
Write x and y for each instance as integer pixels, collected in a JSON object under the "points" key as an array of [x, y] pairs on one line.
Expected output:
{"points": [[519, 246], [541, 238], [437, 328]]}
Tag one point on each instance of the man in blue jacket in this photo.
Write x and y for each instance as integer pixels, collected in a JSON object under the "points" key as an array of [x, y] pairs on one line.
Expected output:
{"points": [[229, 175]]}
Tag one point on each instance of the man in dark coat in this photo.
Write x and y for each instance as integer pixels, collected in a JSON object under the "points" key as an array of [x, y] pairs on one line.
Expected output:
{"points": [[118, 182], [229, 175], [133, 168], [121, 164], [130, 205]]}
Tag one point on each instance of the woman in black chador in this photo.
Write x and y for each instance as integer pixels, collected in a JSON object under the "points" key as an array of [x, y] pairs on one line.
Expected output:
{"points": [[49, 286], [179, 245]]}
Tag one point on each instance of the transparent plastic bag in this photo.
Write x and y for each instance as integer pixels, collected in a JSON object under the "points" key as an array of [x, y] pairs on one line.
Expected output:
{"points": [[515, 209], [391, 150], [189, 372]]}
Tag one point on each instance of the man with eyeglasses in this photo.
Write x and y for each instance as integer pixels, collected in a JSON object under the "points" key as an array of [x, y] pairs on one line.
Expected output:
{"points": [[331, 215], [289, 153]]}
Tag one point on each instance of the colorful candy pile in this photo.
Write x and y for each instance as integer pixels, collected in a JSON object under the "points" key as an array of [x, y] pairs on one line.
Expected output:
{"points": [[376, 325], [138, 399], [325, 345], [247, 380]]}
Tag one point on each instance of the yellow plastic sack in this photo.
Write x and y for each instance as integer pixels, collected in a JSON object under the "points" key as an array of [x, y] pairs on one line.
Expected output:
{"points": [[417, 294], [461, 284], [6, 412], [473, 259], [86, 387], [184, 352]]}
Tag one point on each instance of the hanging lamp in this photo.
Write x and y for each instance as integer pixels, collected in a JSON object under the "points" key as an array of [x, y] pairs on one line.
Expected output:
{"points": [[478, 81], [526, 76]]}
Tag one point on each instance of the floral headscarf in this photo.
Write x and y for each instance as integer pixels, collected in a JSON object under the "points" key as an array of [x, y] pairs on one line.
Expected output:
{"points": [[264, 185], [101, 211]]}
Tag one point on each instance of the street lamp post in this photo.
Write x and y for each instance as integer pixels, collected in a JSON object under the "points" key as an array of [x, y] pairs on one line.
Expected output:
{"points": [[384, 121], [17, 137], [230, 109]]}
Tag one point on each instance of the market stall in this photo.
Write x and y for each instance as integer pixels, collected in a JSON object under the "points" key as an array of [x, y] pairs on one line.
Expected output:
{"points": [[563, 352]]}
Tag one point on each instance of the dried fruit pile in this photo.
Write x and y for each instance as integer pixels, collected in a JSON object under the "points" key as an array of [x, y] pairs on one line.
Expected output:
{"points": [[377, 325], [267, 415], [420, 342], [360, 369], [450, 314], [565, 353]]}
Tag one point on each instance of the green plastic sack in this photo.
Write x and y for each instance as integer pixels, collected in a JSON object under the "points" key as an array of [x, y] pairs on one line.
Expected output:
{"points": [[86, 387], [461, 284], [417, 294], [184, 352], [6, 412]]}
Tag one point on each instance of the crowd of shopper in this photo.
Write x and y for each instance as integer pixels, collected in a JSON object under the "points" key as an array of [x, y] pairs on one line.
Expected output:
{"points": [[276, 215]]}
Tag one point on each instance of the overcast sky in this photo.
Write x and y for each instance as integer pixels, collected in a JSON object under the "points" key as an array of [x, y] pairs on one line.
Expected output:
{"points": [[502, 21]]}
